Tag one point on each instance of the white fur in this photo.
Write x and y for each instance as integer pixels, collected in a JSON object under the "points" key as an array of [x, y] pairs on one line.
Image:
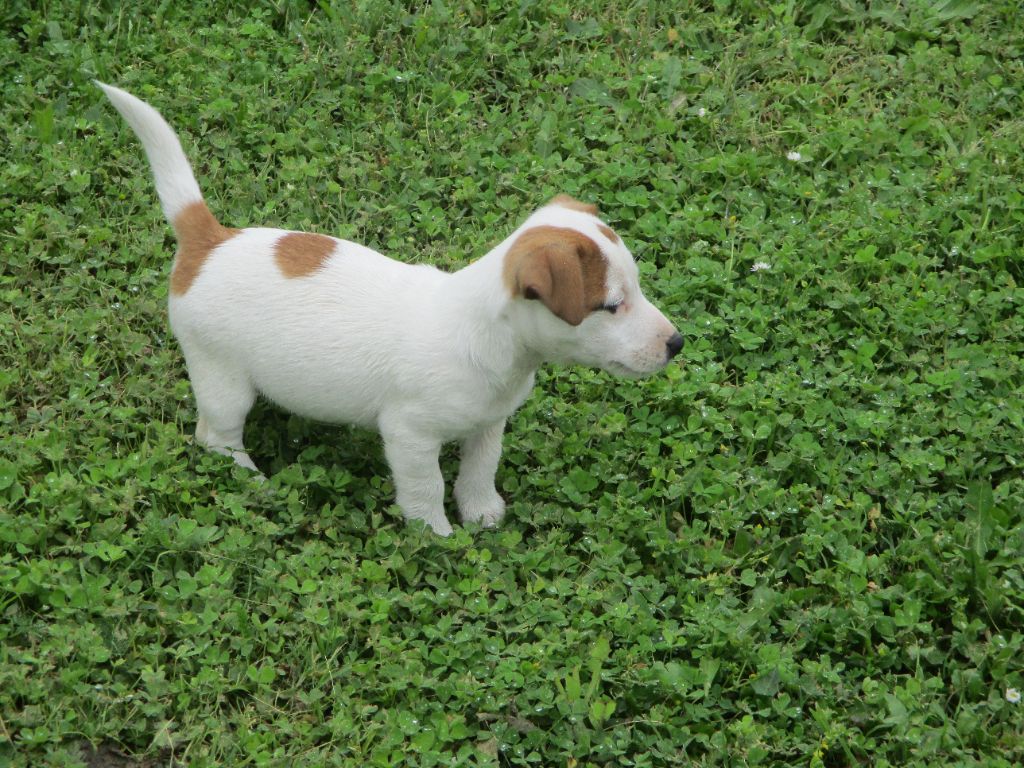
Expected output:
{"points": [[421, 355], [175, 183]]}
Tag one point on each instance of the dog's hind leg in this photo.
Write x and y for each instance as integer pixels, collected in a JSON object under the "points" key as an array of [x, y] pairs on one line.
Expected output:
{"points": [[224, 396]]}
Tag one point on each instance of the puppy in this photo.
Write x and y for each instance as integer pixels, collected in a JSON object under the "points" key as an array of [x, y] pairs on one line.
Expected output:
{"points": [[334, 331]]}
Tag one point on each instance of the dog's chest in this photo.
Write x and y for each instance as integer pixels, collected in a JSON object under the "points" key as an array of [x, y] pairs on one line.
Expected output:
{"points": [[475, 405]]}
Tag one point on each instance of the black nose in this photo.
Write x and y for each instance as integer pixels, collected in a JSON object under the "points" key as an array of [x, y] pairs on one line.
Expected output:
{"points": [[674, 345]]}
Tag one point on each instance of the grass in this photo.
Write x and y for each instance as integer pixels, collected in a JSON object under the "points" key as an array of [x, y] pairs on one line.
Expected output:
{"points": [[802, 545]]}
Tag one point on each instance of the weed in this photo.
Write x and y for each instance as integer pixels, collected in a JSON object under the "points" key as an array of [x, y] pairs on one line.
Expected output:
{"points": [[800, 546]]}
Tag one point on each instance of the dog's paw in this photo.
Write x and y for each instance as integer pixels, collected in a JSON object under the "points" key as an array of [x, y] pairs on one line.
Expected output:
{"points": [[487, 511], [443, 528], [437, 523]]}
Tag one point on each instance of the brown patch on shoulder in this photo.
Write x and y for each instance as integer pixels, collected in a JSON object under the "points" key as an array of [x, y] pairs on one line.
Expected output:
{"points": [[299, 253], [565, 201], [607, 233], [559, 266], [198, 234]]}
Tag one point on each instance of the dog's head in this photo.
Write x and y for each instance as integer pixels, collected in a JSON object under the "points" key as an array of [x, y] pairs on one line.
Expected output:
{"points": [[576, 294]]}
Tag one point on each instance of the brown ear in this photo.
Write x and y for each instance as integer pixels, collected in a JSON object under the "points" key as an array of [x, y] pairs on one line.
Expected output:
{"points": [[561, 267], [552, 274]]}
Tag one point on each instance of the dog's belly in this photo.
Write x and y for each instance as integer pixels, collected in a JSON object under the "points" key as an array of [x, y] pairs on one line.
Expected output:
{"points": [[346, 398]]}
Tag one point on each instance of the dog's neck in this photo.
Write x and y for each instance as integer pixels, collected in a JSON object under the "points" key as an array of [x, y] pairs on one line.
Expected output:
{"points": [[476, 306]]}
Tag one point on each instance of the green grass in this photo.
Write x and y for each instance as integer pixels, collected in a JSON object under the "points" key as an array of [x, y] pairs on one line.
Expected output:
{"points": [[802, 545]]}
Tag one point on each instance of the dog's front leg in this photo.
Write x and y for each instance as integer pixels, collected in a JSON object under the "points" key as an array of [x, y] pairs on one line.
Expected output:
{"points": [[475, 494], [419, 485]]}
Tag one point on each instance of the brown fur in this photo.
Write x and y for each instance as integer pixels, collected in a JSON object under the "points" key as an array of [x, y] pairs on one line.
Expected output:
{"points": [[559, 266], [607, 233], [573, 204], [299, 254], [198, 233]]}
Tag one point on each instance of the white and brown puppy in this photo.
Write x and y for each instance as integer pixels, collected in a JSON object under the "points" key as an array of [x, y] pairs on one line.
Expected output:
{"points": [[334, 331]]}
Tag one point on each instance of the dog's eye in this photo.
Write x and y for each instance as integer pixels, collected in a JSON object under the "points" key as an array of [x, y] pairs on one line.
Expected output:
{"points": [[612, 307]]}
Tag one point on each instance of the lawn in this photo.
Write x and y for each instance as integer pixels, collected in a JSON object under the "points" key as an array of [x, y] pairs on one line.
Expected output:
{"points": [[800, 545]]}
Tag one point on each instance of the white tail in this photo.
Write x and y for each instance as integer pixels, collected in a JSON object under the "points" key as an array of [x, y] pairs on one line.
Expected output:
{"points": [[175, 183]]}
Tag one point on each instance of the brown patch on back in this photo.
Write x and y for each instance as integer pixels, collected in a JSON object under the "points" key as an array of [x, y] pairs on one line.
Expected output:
{"points": [[299, 253], [607, 233], [565, 201], [198, 234], [559, 266]]}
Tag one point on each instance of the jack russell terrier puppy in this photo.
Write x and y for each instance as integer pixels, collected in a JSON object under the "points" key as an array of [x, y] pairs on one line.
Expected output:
{"points": [[336, 332]]}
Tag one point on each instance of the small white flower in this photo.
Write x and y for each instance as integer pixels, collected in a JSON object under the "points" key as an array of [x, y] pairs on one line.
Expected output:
{"points": [[1013, 695], [701, 112], [760, 266], [796, 157]]}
